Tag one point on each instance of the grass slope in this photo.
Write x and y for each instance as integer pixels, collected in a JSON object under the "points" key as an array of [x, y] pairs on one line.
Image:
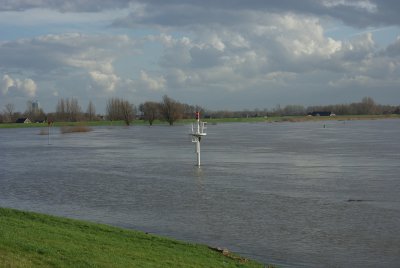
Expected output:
{"points": [[34, 240]]}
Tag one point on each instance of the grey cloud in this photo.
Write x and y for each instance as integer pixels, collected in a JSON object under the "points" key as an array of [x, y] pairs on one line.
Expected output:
{"points": [[393, 50], [184, 16], [205, 58], [63, 6], [51, 52], [385, 13], [184, 13], [29, 55], [223, 12]]}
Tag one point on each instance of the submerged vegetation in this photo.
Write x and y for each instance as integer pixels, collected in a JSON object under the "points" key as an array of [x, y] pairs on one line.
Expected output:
{"points": [[72, 129], [34, 240]]}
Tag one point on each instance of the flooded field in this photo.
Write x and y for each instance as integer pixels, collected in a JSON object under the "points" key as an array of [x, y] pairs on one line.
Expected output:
{"points": [[312, 194]]}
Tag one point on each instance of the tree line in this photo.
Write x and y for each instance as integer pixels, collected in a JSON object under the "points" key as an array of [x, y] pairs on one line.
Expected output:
{"points": [[170, 110], [69, 110], [367, 106]]}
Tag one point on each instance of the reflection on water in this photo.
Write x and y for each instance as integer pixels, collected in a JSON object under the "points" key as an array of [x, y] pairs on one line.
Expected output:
{"points": [[281, 193]]}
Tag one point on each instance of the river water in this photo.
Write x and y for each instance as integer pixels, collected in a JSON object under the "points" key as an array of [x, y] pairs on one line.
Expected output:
{"points": [[310, 194]]}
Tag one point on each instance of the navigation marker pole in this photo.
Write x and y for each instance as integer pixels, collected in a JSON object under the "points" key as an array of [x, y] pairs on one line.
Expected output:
{"points": [[198, 132], [48, 131]]}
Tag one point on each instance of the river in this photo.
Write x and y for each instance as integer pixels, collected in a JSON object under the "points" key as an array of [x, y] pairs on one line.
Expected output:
{"points": [[309, 194]]}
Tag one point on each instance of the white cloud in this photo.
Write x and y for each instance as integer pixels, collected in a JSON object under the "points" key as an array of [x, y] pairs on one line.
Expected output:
{"points": [[152, 83], [26, 86], [57, 56], [366, 5], [302, 36], [105, 81], [6, 83]]}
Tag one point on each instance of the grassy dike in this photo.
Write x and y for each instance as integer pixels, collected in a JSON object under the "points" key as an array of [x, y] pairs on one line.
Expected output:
{"points": [[35, 240]]}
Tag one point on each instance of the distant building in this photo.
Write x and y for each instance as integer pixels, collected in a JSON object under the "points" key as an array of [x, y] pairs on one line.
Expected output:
{"points": [[23, 120], [321, 113], [35, 106]]}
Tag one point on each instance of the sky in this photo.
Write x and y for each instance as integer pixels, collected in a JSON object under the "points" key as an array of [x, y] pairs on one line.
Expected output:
{"points": [[219, 54]]}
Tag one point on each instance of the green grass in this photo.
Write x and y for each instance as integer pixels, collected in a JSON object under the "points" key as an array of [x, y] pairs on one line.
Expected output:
{"points": [[34, 240]]}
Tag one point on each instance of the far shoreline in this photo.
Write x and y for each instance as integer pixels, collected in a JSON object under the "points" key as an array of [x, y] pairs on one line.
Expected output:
{"points": [[270, 119]]}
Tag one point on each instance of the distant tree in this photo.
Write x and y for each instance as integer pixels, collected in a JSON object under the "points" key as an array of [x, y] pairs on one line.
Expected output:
{"points": [[9, 109], [277, 111], [68, 110], [91, 111], [367, 106], [74, 110], [61, 114], [294, 110], [119, 109], [171, 110], [112, 109], [190, 110], [150, 110], [51, 117], [340, 109], [221, 114], [128, 112]]}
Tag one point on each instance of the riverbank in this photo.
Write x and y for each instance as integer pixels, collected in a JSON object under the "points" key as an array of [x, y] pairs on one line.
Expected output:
{"points": [[212, 120], [35, 240]]}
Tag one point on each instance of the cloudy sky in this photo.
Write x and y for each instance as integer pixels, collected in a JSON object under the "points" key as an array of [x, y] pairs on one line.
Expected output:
{"points": [[220, 54]]}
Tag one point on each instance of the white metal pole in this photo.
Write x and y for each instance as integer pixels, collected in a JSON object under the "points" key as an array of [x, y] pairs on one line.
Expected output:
{"points": [[48, 135], [198, 151]]}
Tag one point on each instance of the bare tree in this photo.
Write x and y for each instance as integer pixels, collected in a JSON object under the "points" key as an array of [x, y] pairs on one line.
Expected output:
{"points": [[171, 110], [74, 110], [128, 112], [9, 112], [368, 106], [112, 109], [68, 110], [150, 110], [190, 110], [294, 110], [91, 111], [119, 109], [61, 114]]}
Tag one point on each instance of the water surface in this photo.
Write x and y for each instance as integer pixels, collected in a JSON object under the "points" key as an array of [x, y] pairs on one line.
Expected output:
{"points": [[293, 194]]}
